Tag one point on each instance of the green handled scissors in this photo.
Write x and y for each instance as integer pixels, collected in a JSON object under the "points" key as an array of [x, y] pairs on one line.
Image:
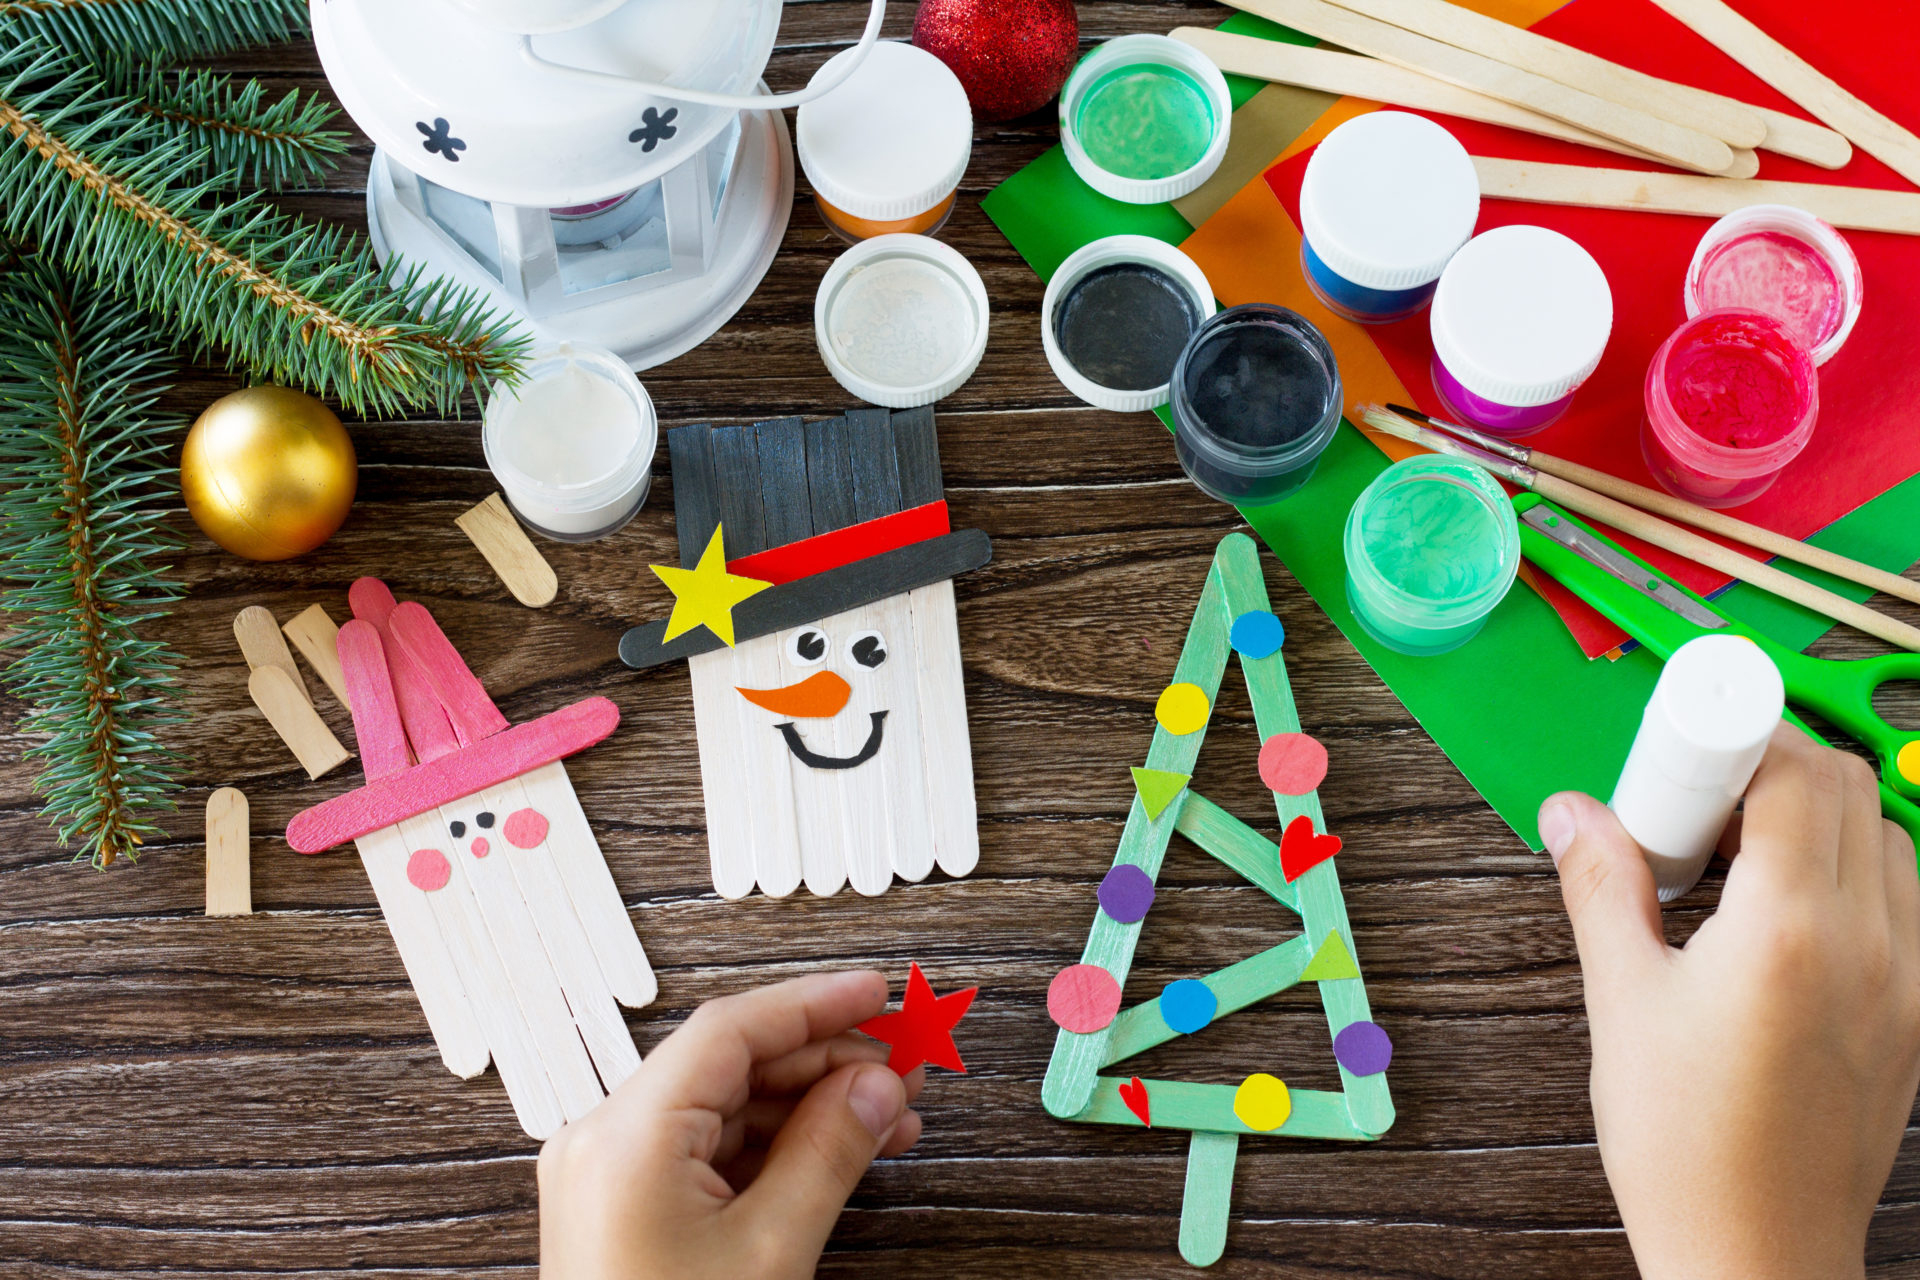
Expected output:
{"points": [[1663, 616]]}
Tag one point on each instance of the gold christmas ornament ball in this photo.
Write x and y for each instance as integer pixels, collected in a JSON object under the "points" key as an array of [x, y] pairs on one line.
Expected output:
{"points": [[268, 473]]}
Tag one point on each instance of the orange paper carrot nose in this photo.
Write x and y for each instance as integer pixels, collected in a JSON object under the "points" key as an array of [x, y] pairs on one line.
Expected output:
{"points": [[821, 694]]}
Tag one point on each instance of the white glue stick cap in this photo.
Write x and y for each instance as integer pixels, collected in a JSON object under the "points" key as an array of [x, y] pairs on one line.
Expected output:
{"points": [[1702, 736]]}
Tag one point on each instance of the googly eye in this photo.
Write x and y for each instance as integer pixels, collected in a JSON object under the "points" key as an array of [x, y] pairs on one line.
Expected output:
{"points": [[458, 828], [485, 820], [807, 647], [868, 648]]}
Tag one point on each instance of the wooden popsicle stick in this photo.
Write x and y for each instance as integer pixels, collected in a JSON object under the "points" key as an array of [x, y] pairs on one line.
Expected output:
{"points": [[1353, 75], [722, 744], [1789, 135], [947, 748], [512, 554], [1676, 143], [1857, 208], [1795, 77], [295, 720], [229, 864], [1733, 122], [263, 645], [314, 634]]}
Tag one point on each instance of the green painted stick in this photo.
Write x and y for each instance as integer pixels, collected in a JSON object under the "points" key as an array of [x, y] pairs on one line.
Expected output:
{"points": [[1238, 845], [1203, 1211], [1141, 1028], [1183, 1104]]}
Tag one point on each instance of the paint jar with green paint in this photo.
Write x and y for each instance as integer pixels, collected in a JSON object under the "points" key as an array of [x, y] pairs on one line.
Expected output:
{"points": [[1145, 119], [1432, 547]]}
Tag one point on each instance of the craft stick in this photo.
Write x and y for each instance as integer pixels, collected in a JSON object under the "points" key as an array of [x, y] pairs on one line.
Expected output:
{"points": [[946, 743], [785, 852], [590, 887], [1793, 76], [295, 720], [313, 633], [469, 710], [1672, 142], [1208, 1108], [1789, 135], [518, 563], [1209, 1194], [376, 717], [1857, 208], [1237, 986], [1331, 71], [909, 780], [229, 870], [720, 737], [1233, 842], [429, 733], [263, 646]]}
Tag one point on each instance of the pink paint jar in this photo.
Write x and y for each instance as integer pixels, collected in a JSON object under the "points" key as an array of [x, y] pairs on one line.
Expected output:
{"points": [[1731, 398], [1786, 263]]}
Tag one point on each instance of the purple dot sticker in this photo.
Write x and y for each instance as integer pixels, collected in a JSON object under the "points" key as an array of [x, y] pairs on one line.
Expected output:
{"points": [[1126, 893], [1363, 1048], [1257, 634]]}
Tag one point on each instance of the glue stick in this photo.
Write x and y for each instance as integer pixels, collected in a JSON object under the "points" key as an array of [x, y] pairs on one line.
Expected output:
{"points": [[1702, 736]]}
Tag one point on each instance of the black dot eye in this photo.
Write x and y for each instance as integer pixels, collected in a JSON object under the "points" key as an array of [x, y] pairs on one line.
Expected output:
{"points": [[485, 820], [869, 648], [459, 829], [807, 646]]}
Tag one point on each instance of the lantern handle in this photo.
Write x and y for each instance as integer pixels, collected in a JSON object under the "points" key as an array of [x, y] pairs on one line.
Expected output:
{"points": [[819, 86]]}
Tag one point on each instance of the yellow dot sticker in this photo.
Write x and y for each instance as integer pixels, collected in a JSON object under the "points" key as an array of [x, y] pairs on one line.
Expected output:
{"points": [[1908, 762], [1182, 709], [1262, 1102]]}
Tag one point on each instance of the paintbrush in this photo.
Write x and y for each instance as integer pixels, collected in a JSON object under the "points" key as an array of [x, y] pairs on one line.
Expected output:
{"points": [[1645, 526], [1665, 504]]}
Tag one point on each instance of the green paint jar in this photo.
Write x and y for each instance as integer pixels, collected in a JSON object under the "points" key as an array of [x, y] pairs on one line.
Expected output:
{"points": [[1145, 119], [1432, 547]]}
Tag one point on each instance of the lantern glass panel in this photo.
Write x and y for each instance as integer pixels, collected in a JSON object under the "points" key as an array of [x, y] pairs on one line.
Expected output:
{"points": [[612, 242], [467, 220], [720, 156]]}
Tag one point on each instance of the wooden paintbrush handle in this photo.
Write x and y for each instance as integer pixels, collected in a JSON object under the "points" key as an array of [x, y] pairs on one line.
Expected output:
{"points": [[1651, 528]]}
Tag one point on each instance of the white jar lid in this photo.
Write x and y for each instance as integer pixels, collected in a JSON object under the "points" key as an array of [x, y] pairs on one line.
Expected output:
{"points": [[893, 140], [1355, 207], [1522, 316], [901, 320], [1136, 50], [1107, 252]]}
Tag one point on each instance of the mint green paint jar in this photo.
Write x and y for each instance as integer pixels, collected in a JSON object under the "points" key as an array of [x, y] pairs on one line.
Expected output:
{"points": [[1432, 546]]}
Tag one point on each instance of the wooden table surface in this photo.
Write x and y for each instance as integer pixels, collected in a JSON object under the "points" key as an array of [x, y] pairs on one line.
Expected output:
{"points": [[242, 1096]]}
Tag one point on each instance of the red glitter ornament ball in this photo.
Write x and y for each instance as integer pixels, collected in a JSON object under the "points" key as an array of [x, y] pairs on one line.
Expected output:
{"points": [[1012, 56]]}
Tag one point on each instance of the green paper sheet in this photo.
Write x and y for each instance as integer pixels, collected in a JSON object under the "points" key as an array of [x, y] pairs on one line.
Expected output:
{"points": [[1519, 710]]}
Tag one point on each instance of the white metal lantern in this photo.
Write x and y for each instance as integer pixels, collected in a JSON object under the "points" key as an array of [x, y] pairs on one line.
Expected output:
{"points": [[604, 169]]}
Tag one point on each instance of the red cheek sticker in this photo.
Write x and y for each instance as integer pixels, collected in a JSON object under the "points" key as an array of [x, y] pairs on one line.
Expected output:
{"points": [[481, 847], [525, 828], [429, 869]]}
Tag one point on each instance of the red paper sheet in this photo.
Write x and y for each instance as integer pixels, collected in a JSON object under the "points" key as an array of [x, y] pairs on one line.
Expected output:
{"points": [[1868, 438]]}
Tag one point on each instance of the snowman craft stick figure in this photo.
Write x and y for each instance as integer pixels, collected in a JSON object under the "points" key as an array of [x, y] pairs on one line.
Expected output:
{"points": [[506, 917], [814, 604]]}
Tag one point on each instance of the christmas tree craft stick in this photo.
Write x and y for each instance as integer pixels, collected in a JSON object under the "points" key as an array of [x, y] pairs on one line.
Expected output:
{"points": [[1087, 996]]}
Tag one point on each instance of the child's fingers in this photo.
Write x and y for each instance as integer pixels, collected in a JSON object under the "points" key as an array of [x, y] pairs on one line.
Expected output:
{"points": [[1861, 862], [1606, 884], [797, 1072], [755, 1124], [1793, 812], [1903, 891]]}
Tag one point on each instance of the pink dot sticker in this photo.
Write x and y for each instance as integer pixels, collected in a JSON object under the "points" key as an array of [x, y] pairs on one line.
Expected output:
{"points": [[428, 869], [480, 847], [525, 829], [1292, 763], [1083, 998]]}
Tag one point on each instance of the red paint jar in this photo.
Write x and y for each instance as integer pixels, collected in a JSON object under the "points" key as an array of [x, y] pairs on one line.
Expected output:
{"points": [[1731, 399]]}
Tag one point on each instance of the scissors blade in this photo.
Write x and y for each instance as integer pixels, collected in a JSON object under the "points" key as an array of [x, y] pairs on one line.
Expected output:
{"points": [[1597, 553]]}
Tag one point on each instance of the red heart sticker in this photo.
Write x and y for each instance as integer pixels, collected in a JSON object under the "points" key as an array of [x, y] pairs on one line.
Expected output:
{"points": [[1302, 849], [1134, 1094]]}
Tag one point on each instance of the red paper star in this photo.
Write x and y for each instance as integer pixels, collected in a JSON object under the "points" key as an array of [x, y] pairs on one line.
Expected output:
{"points": [[923, 1029]]}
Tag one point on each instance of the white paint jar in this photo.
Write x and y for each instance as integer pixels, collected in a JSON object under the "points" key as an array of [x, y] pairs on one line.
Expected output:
{"points": [[572, 446]]}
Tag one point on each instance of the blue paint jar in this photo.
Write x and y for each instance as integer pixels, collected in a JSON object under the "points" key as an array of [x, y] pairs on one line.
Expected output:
{"points": [[1387, 200]]}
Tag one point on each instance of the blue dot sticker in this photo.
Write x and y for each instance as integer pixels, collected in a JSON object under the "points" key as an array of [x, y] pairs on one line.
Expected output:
{"points": [[1257, 634], [1188, 1005]]}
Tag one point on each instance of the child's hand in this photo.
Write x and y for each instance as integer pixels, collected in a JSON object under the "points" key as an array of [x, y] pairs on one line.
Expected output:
{"points": [[1751, 1089], [733, 1149]]}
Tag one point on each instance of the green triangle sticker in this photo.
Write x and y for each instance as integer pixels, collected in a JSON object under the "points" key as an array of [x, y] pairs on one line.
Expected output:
{"points": [[1331, 961], [1158, 788]]}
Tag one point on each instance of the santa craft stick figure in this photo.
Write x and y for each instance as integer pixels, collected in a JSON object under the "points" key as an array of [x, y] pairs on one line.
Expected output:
{"points": [[814, 604], [508, 922]]}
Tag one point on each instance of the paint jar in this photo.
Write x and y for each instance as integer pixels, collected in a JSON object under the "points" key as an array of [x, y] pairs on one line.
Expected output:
{"points": [[1369, 252], [1731, 399], [1117, 315], [1256, 399], [1520, 320], [1432, 546], [886, 149], [1786, 263], [901, 320], [572, 446], [1145, 119]]}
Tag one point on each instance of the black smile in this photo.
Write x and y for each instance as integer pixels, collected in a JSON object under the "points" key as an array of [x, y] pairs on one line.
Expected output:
{"points": [[814, 760]]}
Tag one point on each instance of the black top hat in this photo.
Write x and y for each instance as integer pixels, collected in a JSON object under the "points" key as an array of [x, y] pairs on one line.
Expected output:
{"points": [[836, 514]]}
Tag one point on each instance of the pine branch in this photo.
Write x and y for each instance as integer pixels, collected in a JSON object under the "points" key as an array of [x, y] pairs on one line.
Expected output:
{"points": [[86, 460], [152, 30], [249, 141], [86, 175]]}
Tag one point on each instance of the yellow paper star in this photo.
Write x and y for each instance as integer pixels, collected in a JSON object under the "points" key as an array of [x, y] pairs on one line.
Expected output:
{"points": [[706, 594]]}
